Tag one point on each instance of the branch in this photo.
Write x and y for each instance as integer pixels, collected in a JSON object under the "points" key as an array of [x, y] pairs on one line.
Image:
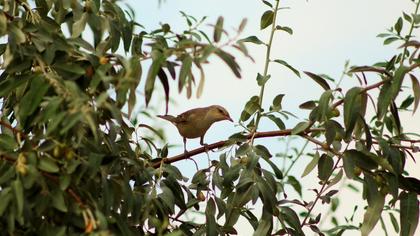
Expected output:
{"points": [[13, 129], [324, 185], [220, 144]]}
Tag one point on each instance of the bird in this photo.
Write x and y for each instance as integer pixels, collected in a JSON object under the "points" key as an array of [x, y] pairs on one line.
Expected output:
{"points": [[194, 123]]}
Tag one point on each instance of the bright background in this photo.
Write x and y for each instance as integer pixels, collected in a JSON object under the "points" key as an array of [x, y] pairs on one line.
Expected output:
{"points": [[326, 34]]}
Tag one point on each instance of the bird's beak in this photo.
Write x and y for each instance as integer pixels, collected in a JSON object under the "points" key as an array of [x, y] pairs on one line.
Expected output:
{"points": [[229, 119]]}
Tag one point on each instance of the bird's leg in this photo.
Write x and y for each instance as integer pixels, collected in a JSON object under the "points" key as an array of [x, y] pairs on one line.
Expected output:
{"points": [[185, 145], [206, 146]]}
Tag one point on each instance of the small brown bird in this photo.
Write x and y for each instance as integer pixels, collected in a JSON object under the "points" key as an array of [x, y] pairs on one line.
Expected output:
{"points": [[194, 123]]}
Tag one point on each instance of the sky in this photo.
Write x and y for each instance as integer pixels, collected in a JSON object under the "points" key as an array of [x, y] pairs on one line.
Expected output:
{"points": [[326, 34]]}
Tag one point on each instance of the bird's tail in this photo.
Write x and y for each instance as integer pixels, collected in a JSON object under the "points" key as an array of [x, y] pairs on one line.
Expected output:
{"points": [[169, 118]]}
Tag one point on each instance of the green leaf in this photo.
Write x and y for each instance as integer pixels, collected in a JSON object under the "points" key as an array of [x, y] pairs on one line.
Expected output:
{"points": [[184, 72], [262, 151], [18, 191], [8, 85], [33, 97], [277, 102], [5, 199], [295, 184], [48, 165], [211, 225], [230, 61], [251, 107], [394, 222], [416, 91], [318, 79], [300, 127], [58, 200], [251, 39], [277, 121], [266, 19], [390, 40], [277, 171], [290, 216], [409, 213], [325, 167], [390, 90], [284, 63], [218, 29], [261, 80], [324, 108], [264, 225], [352, 108], [7, 143], [359, 159], [372, 214], [311, 165], [285, 29], [151, 76], [79, 25], [3, 24], [398, 25], [267, 195], [309, 105], [267, 3]]}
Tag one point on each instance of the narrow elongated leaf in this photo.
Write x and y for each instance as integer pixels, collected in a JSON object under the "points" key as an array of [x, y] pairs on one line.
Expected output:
{"points": [[300, 127], [218, 29], [390, 90], [230, 61], [211, 225], [416, 91], [251, 39], [164, 80], [318, 79], [285, 29], [290, 216], [352, 108], [264, 225], [372, 214], [409, 213], [33, 97], [277, 121], [184, 72], [18, 191], [311, 165], [360, 159], [284, 63], [151, 77]]}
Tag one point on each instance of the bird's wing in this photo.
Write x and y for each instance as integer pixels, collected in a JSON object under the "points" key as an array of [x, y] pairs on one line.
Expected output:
{"points": [[188, 115]]}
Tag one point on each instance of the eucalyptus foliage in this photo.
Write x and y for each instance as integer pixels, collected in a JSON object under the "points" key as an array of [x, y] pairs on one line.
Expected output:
{"points": [[71, 161]]}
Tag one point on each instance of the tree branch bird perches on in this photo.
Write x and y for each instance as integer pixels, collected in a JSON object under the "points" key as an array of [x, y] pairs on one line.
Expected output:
{"points": [[194, 123]]}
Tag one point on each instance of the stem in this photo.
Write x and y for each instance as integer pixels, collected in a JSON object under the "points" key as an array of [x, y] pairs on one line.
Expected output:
{"points": [[410, 32], [324, 185], [297, 158], [267, 61]]}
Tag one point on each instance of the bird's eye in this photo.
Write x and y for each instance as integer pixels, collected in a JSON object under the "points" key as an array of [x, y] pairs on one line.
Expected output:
{"points": [[221, 111]]}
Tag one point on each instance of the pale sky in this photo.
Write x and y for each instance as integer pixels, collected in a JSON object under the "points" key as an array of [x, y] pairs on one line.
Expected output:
{"points": [[326, 34]]}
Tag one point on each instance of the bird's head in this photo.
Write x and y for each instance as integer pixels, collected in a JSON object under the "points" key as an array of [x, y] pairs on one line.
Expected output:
{"points": [[218, 113]]}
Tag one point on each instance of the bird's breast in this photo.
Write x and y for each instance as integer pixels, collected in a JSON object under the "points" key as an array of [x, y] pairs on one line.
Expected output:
{"points": [[193, 130]]}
